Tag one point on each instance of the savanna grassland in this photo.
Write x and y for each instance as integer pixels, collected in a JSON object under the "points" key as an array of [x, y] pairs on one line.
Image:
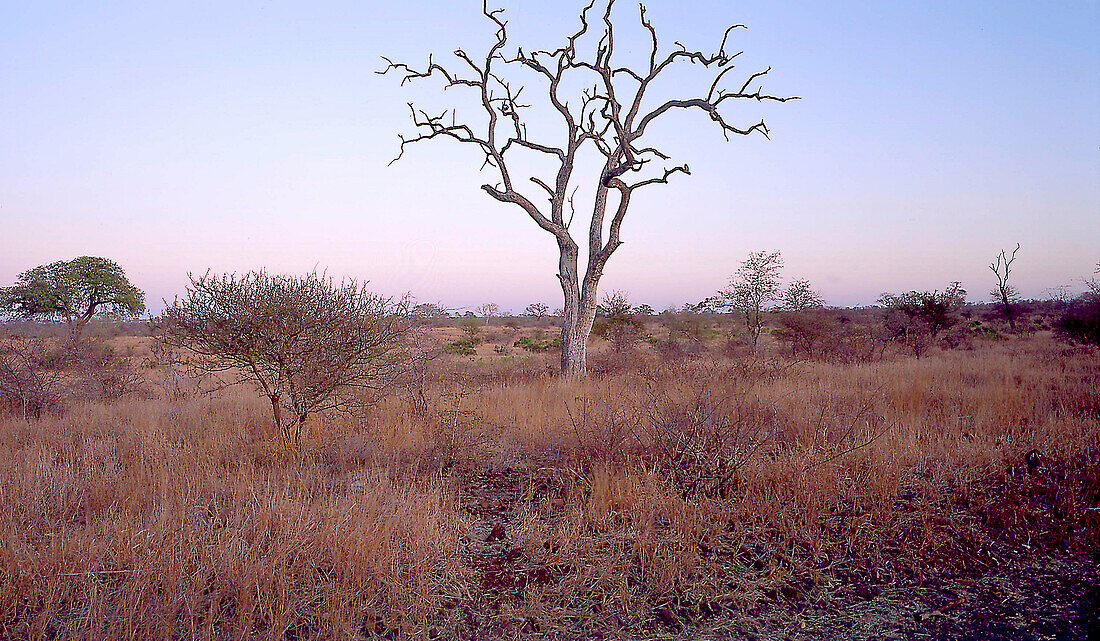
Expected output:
{"points": [[688, 488]]}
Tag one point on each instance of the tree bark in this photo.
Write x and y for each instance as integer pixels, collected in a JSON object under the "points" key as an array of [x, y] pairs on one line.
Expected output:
{"points": [[1009, 312], [576, 328]]}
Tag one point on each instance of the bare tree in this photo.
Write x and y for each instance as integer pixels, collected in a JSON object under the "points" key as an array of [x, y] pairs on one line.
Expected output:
{"points": [[1093, 284], [307, 344], [488, 310], [1004, 293], [755, 284], [607, 116]]}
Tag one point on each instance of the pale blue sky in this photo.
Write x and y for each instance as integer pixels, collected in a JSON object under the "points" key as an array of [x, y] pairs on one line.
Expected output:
{"points": [[234, 136]]}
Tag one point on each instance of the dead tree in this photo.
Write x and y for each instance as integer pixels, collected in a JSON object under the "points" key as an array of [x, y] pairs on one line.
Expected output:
{"points": [[1004, 293], [606, 116]]}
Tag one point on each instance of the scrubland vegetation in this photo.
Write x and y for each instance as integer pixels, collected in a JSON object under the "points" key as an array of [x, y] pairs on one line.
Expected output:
{"points": [[690, 485]]}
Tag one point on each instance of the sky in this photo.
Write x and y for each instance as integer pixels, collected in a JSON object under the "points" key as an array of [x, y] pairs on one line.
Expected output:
{"points": [[181, 138]]}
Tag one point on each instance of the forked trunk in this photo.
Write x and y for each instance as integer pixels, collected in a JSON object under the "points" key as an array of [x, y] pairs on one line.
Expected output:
{"points": [[576, 328]]}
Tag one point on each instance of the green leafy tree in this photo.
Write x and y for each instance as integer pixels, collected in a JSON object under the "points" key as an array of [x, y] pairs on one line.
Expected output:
{"points": [[75, 290]]}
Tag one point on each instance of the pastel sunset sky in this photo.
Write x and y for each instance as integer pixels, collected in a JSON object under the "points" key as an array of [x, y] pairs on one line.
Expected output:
{"points": [[181, 137]]}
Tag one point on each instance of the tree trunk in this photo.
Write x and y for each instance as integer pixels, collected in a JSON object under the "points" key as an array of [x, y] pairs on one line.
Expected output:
{"points": [[276, 413], [76, 327], [576, 328], [1008, 310], [579, 313]]}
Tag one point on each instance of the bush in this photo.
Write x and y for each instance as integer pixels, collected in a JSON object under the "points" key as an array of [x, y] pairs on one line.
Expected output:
{"points": [[28, 388], [463, 347], [470, 325], [805, 331], [537, 345], [308, 344], [39, 376], [1081, 320]]}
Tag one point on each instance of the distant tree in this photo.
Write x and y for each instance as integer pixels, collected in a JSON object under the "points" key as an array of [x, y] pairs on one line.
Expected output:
{"points": [[307, 344], [488, 310], [606, 110], [643, 310], [74, 290], [1003, 293], [924, 311], [623, 327], [800, 296], [1093, 284], [805, 330], [1060, 294], [537, 310], [430, 311], [682, 324], [755, 284], [706, 306], [470, 324], [1080, 321]]}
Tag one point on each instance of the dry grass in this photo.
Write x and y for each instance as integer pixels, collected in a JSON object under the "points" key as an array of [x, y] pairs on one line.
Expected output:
{"points": [[694, 486]]}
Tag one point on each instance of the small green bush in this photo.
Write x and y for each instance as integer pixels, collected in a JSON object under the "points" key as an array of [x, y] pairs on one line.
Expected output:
{"points": [[463, 347], [536, 345]]}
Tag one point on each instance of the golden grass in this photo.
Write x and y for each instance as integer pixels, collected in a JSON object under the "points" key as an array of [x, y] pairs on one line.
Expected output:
{"points": [[157, 519]]}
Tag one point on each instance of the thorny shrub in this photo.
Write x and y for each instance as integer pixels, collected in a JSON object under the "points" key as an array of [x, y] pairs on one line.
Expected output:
{"points": [[43, 375]]}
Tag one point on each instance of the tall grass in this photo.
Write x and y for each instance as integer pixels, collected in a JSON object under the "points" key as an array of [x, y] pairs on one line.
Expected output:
{"points": [[702, 484]]}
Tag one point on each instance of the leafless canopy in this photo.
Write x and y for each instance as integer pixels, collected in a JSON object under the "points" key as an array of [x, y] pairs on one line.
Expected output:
{"points": [[611, 116], [307, 344], [1004, 293]]}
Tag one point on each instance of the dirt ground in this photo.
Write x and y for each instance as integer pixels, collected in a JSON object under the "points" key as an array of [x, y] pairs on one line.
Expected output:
{"points": [[1014, 586]]}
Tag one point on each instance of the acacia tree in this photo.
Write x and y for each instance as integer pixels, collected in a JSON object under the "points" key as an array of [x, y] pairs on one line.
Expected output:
{"points": [[75, 290], [1004, 293], [537, 310], [606, 116], [307, 344], [925, 314]]}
